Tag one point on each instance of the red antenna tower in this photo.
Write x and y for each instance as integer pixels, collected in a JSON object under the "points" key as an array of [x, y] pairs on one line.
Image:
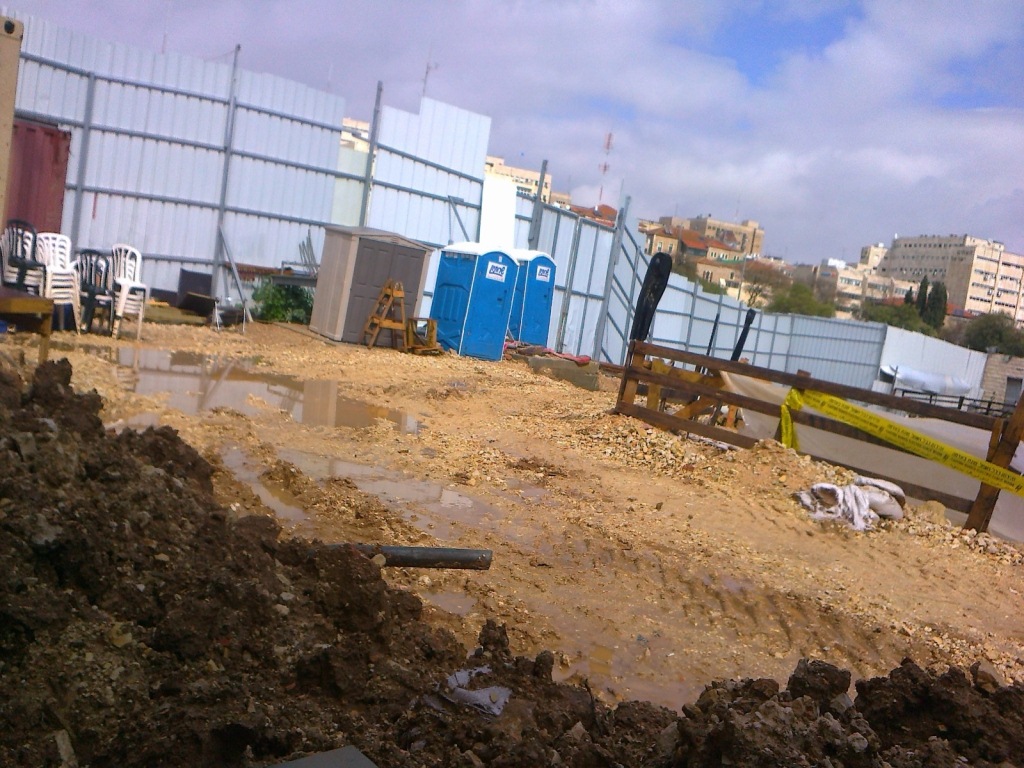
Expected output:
{"points": [[603, 167]]}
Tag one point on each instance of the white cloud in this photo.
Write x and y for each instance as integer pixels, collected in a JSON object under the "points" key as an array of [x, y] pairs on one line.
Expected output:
{"points": [[841, 145]]}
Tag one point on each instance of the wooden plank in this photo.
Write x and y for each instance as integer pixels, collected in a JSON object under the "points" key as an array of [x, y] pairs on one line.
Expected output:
{"points": [[628, 384], [980, 514], [31, 313], [906, 405]]}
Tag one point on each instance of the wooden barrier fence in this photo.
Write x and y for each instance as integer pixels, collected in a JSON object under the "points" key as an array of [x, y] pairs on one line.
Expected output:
{"points": [[698, 391]]}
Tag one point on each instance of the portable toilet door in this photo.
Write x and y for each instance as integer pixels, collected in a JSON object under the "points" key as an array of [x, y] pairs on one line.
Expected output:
{"points": [[473, 299], [534, 296]]}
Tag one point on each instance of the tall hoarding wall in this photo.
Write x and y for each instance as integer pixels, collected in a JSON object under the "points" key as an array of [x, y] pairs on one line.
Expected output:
{"points": [[191, 161]]}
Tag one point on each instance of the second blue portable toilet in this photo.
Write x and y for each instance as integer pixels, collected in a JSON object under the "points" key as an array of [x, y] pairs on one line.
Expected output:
{"points": [[534, 294], [472, 299]]}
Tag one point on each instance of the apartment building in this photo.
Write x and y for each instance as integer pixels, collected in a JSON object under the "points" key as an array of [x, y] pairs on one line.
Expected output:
{"points": [[685, 244], [858, 284], [871, 255], [746, 237], [526, 180], [980, 275]]}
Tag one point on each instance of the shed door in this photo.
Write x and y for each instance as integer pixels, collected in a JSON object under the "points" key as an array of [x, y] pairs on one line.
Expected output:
{"points": [[376, 262]]}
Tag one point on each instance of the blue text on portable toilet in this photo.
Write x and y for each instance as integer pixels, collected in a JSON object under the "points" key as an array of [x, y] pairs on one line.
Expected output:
{"points": [[534, 295], [472, 299]]}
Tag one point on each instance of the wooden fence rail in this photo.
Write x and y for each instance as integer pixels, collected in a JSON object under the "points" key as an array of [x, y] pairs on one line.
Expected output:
{"points": [[698, 391]]}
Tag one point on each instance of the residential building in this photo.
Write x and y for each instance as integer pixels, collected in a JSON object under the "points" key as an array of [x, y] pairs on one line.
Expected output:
{"points": [[526, 180], [726, 273], [822, 279], [858, 284], [746, 237], [687, 245], [871, 255], [980, 275], [601, 213]]}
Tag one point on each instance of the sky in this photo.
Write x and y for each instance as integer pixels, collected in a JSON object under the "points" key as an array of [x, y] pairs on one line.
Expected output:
{"points": [[835, 124]]}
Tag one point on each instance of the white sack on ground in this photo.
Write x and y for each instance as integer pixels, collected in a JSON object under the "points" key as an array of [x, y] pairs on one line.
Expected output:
{"points": [[859, 504]]}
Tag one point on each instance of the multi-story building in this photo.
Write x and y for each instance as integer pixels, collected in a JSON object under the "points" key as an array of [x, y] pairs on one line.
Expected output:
{"points": [[746, 237], [858, 284], [685, 244], [526, 180], [871, 255], [980, 275]]}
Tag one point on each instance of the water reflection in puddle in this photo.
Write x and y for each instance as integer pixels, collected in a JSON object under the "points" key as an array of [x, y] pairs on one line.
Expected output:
{"points": [[283, 504], [429, 507], [193, 383]]}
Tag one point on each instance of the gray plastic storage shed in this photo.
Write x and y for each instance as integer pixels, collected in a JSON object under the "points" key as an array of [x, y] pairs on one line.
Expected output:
{"points": [[355, 265]]}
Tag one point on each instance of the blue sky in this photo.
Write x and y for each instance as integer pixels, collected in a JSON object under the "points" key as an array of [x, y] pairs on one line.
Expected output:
{"points": [[834, 123]]}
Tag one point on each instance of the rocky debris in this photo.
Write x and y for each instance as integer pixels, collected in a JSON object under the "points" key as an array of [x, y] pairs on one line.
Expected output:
{"points": [[912, 717], [142, 624]]}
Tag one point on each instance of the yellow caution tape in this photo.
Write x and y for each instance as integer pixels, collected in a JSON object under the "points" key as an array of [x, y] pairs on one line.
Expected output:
{"points": [[897, 434]]}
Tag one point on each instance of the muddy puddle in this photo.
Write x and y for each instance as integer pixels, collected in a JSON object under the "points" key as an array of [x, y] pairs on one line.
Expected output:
{"points": [[593, 648], [432, 508], [193, 383]]}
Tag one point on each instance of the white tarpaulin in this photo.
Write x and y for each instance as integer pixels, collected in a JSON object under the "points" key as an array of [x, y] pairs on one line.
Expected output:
{"points": [[923, 381]]}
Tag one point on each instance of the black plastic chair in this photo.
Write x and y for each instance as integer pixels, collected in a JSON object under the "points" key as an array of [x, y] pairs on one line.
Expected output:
{"points": [[22, 270], [96, 286]]}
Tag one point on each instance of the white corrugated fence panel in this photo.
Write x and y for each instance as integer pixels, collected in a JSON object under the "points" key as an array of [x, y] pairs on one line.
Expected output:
{"points": [[931, 355]]}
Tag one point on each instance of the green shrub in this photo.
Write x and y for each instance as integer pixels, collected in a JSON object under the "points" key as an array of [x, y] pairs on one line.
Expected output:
{"points": [[282, 303]]}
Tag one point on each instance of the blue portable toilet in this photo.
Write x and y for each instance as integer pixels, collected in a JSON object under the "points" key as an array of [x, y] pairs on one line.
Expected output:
{"points": [[534, 294], [473, 299]]}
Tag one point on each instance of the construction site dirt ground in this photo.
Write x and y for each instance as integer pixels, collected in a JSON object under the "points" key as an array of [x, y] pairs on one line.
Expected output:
{"points": [[652, 600], [649, 564]]}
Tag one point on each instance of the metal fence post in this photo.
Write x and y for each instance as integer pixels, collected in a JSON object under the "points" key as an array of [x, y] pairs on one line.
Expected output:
{"points": [[229, 133], [613, 259], [371, 157], [83, 157], [570, 277], [533, 238]]}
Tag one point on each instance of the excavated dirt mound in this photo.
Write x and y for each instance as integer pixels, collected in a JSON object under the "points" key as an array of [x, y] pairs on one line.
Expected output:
{"points": [[142, 624]]}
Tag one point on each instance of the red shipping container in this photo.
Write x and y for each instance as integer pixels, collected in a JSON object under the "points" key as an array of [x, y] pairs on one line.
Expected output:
{"points": [[38, 172]]}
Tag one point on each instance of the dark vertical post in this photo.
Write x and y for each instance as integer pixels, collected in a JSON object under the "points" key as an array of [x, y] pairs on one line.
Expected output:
{"points": [[742, 340]]}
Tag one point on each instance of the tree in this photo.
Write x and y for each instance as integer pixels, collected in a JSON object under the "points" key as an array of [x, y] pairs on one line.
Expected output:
{"points": [[935, 307], [762, 279], [922, 295], [994, 332], [798, 299], [908, 297], [897, 316]]}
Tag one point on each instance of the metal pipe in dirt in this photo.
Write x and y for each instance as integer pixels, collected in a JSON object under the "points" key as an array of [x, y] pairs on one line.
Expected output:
{"points": [[426, 557]]}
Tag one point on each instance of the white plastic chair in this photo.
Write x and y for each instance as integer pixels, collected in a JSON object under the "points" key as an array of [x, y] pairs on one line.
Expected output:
{"points": [[60, 282], [21, 269], [96, 287], [130, 293]]}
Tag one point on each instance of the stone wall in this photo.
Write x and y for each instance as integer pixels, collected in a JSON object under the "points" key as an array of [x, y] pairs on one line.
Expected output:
{"points": [[999, 368]]}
